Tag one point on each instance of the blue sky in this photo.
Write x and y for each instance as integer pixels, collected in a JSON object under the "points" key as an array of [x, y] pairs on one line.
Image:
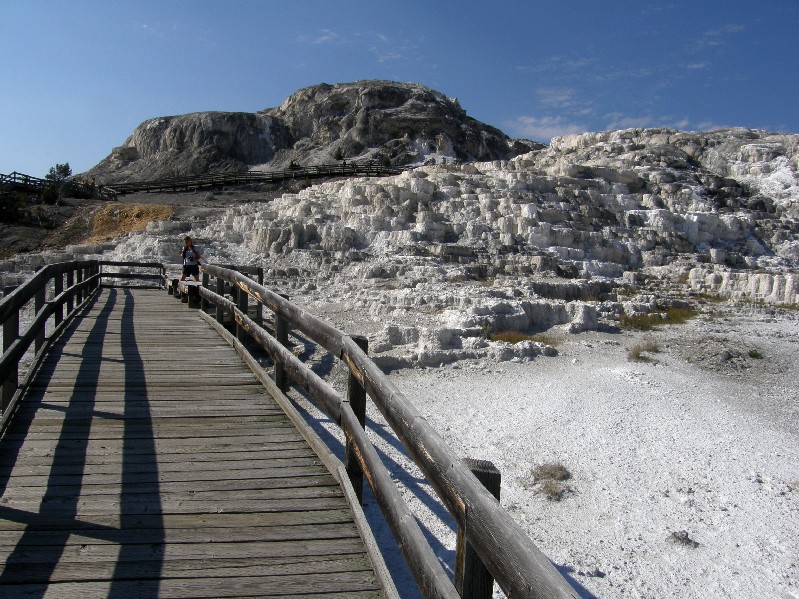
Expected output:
{"points": [[77, 77]]}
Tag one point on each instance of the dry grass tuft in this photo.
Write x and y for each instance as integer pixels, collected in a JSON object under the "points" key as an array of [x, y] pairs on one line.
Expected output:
{"points": [[114, 220], [550, 471], [548, 480], [638, 352]]}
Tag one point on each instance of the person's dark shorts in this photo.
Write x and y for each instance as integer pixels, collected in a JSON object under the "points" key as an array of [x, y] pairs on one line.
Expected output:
{"points": [[191, 271]]}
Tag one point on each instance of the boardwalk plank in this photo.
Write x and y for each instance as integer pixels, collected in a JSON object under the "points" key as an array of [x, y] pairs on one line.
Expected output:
{"points": [[216, 568]]}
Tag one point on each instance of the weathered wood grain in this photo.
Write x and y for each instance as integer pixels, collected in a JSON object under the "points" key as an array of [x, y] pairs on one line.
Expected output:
{"points": [[147, 460]]}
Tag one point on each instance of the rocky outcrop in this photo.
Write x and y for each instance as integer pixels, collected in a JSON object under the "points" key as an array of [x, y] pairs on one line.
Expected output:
{"points": [[401, 123]]}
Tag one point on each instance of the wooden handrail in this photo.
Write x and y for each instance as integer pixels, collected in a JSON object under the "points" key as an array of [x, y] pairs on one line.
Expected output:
{"points": [[217, 179], [37, 185], [519, 567]]}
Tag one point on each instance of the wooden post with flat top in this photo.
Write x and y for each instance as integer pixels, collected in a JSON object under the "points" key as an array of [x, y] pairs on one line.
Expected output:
{"points": [[38, 304], [220, 311], [242, 301], [472, 578], [204, 304], [282, 337], [58, 289], [356, 395], [10, 334], [70, 284]]}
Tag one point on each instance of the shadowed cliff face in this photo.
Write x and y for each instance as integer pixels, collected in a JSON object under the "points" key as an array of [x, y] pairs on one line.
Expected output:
{"points": [[399, 122]]}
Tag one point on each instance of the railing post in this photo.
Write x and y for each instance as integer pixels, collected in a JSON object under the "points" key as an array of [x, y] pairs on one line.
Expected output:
{"points": [[38, 304], [259, 307], [472, 578], [10, 334], [70, 284], [58, 289], [356, 395], [241, 304], [282, 336], [204, 303], [79, 280], [220, 290]]}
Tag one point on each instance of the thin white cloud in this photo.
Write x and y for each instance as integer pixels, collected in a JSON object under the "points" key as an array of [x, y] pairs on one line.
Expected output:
{"points": [[718, 37], [709, 126], [388, 49], [543, 128], [620, 121], [555, 63], [697, 66], [385, 56], [556, 96], [726, 30], [325, 36], [623, 73]]}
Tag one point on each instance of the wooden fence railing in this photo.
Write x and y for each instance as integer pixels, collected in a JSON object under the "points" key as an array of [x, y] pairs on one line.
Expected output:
{"points": [[506, 551], [71, 285], [20, 182], [366, 169], [17, 180]]}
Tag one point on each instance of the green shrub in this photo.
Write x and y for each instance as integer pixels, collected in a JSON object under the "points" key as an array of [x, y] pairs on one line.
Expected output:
{"points": [[51, 194], [12, 207]]}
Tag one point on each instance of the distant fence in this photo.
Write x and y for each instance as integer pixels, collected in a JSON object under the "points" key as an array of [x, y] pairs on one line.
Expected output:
{"points": [[27, 184], [348, 169], [21, 182]]}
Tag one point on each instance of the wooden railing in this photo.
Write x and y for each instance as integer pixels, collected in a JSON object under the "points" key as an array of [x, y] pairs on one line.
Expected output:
{"points": [[20, 182], [506, 551], [71, 285], [366, 169]]}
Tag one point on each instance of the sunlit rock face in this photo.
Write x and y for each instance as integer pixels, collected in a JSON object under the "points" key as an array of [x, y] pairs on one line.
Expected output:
{"points": [[400, 123], [589, 205]]}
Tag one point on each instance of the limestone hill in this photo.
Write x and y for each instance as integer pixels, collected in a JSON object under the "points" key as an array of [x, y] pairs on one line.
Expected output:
{"points": [[400, 123]]}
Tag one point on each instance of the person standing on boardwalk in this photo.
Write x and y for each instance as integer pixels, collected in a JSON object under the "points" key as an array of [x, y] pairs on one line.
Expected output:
{"points": [[191, 259]]}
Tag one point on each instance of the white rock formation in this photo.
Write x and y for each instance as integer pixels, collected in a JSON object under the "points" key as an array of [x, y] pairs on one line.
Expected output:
{"points": [[575, 235]]}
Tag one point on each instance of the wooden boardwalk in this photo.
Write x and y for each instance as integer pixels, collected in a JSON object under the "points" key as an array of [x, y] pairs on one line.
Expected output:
{"points": [[148, 461]]}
